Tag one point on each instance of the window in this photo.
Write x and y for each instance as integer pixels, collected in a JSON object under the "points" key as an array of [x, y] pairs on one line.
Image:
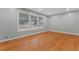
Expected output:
{"points": [[40, 22], [28, 21], [34, 21], [23, 21]]}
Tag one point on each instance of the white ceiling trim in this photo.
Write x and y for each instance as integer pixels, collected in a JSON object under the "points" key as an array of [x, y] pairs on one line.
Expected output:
{"points": [[53, 11]]}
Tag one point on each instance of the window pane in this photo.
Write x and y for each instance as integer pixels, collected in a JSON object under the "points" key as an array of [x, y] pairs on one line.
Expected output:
{"points": [[34, 21], [23, 18], [40, 21]]}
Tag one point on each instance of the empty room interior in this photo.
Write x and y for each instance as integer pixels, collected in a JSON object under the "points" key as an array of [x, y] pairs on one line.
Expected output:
{"points": [[39, 29]]}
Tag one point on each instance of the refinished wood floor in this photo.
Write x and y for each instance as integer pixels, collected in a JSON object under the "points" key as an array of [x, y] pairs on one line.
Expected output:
{"points": [[46, 41]]}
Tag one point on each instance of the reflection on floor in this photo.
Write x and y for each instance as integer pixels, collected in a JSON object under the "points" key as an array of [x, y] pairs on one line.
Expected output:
{"points": [[46, 41]]}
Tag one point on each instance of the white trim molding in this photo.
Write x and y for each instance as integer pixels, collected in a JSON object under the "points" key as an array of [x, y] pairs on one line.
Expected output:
{"points": [[64, 32]]}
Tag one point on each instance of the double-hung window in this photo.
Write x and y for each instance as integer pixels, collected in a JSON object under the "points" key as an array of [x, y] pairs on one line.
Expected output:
{"points": [[23, 21], [40, 22]]}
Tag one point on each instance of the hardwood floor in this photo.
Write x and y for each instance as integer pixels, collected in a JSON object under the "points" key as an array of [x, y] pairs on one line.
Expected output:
{"points": [[47, 41]]}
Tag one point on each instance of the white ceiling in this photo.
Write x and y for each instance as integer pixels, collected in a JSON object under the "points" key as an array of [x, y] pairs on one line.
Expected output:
{"points": [[52, 11]]}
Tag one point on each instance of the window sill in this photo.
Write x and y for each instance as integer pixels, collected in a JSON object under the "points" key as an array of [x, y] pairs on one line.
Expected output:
{"points": [[36, 28]]}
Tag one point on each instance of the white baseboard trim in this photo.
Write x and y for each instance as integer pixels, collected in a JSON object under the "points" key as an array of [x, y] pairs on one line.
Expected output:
{"points": [[20, 36], [65, 32]]}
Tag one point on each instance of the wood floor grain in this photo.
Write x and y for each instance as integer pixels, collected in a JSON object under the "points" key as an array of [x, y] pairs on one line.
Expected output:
{"points": [[46, 41]]}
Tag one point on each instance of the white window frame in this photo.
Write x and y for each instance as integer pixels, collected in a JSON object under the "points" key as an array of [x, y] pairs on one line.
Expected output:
{"points": [[18, 26], [41, 27], [29, 22]]}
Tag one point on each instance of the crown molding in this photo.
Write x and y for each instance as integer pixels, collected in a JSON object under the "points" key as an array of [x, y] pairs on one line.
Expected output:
{"points": [[49, 15]]}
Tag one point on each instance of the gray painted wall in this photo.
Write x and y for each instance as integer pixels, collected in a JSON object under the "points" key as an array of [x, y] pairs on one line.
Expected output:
{"points": [[8, 23], [65, 23]]}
